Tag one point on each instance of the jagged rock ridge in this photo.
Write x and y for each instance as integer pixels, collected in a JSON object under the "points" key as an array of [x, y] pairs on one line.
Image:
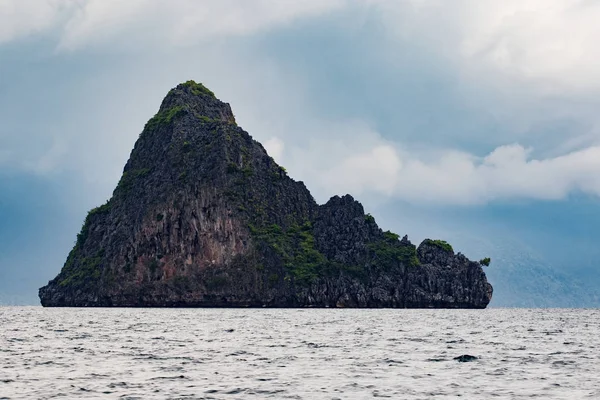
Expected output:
{"points": [[202, 216]]}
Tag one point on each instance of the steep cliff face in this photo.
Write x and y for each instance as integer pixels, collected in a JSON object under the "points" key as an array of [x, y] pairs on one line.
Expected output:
{"points": [[202, 216]]}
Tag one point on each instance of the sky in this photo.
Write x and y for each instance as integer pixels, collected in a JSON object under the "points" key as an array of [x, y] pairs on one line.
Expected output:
{"points": [[473, 120]]}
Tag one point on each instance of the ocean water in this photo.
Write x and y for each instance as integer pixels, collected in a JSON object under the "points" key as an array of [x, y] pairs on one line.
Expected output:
{"points": [[298, 354]]}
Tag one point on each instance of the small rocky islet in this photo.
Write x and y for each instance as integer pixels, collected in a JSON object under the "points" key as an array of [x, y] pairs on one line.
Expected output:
{"points": [[204, 217]]}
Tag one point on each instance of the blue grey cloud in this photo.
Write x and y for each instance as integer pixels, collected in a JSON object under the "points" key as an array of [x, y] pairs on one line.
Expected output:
{"points": [[452, 113]]}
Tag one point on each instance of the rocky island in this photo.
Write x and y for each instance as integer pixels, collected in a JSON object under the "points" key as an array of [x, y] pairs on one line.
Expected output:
{"points": [[204, 217]]}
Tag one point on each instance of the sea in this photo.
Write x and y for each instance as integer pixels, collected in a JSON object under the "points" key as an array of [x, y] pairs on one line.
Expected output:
{"points": [[299, 353]]}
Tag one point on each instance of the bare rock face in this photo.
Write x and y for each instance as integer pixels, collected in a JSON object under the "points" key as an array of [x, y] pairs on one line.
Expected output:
{"points": [[203, 217]]}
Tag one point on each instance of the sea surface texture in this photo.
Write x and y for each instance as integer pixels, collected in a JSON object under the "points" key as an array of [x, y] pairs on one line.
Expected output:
{"points": [[298, 354]]}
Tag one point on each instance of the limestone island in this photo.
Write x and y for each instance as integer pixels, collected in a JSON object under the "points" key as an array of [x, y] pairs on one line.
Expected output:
{"points": [[204, 217]]}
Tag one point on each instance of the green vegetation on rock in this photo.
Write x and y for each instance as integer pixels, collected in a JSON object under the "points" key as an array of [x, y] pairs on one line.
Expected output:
{"points": [[88, 266], [391, 236], [103, 209], [88, 269], [302, 260], [442, 244], [233, 168], [390, 252], [247, 171], [205, 119], [485, 261], [198, 89], [129, 178], [83, 234], [165, 117], [296, 247]]}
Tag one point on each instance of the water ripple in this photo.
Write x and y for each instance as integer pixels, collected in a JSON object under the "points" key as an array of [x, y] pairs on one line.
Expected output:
{"points": [[298, 354]]}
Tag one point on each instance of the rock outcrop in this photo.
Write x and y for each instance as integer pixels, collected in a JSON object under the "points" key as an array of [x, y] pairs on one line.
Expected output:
{"points": [[203, 217]]}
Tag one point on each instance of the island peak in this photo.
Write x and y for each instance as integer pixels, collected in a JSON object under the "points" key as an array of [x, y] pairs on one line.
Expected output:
{"points": [[204, 217]]}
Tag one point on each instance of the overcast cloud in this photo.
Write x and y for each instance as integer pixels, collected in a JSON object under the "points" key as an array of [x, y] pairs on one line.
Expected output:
{"points": [[523, 65], [445, 118]]}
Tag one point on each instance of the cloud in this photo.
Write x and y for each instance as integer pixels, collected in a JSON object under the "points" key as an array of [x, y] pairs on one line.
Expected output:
{"points": [[45, 159], [431, 102], [149, 22], [183, 22], [274, 147], [375, 170], [459, 178], [4, 156], [49, 161], [523, 65], [549, 43], [25, 17]]}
